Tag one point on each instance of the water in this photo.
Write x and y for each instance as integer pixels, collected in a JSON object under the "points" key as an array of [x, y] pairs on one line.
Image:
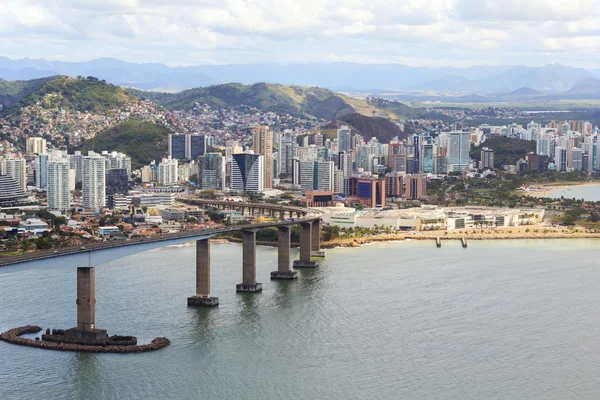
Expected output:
{"points": [[588, 192], [499, 320]]}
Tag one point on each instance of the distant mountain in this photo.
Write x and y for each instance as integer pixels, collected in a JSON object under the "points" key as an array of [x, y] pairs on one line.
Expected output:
{"points": [[13, 91], [142, 141], [588, 86], [348, 77], [70, 94], [293, 100], [524, 91]]}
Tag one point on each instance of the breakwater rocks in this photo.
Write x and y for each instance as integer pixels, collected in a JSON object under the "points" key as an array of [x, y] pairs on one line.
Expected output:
{"points": [[115, 344]]}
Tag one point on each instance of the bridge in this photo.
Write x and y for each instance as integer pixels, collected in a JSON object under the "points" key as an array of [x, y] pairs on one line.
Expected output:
{"points": [[307, 220]]}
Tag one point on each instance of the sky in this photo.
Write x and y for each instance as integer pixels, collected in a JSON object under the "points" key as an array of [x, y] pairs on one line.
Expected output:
{"points": [[414, 32]]}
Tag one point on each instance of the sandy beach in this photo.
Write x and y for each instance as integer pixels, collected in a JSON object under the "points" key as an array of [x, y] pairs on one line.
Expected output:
{"points": [[544, 190]]}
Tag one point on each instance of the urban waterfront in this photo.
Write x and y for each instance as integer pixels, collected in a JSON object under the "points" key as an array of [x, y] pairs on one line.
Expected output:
{"points": [[586, 192], [500, 319]]}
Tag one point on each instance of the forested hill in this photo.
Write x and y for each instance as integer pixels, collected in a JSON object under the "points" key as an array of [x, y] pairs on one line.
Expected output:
{"points": [[507, 151], [74, 94], [293, 100], [142, 141], [13, 91]]}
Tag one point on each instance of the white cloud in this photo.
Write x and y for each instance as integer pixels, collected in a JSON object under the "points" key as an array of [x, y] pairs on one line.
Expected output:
{"points": [[417, 32]]}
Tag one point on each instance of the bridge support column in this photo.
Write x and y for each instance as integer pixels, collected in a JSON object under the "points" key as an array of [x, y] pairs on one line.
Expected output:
{"points": [[281, 215], [249, 283], [202, 297], [305, 247], [86, 309], [283, 256], [315, 245]]}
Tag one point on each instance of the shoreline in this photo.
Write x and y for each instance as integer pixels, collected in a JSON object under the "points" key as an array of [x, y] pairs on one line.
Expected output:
{"points": [[544, 189], [478, 236]]}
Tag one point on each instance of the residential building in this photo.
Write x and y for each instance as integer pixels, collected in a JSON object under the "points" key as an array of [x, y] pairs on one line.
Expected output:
{"points": [[487, 158], [262, 140], [167, 171], [94, 181], [415, 187], [16, 168], [344, 139], [59, 195], [36, 145]]}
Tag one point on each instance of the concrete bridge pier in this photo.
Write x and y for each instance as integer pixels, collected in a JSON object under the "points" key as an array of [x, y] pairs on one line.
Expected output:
{"points": [[249, 283], [305, 247], [283, 256], [86, 309], [202, 297], [315, 245]]}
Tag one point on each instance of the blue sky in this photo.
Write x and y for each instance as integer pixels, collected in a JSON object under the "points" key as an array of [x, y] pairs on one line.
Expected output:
{"points": [[414, 32]]}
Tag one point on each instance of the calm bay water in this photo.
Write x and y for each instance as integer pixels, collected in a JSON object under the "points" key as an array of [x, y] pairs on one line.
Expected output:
{"points": [[589, 193], [499, 320]]}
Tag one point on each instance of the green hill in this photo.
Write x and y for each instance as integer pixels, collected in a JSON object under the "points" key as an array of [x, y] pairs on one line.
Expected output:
{"points": [[142, 141], [507, 151], [294, 100], [75, 94], [13, 91]]}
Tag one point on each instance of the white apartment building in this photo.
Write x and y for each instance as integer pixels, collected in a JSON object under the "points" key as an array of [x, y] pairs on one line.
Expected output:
{"points": [[59, 196], [36, 145], [16, 168], [94, 181], [167, 171]]}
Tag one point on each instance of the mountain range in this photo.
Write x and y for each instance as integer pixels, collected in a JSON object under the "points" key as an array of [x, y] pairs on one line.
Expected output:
{"points": [[348, 77]]}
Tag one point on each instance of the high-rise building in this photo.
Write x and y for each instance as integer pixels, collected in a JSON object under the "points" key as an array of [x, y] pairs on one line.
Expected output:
{"points": [[427, 158], [247, 173], [94, 181], [415, 187], [287, 150], [344, 139], [560, 158], [41, 171], [36, 145], [459, 146], [177, 146], [393, 184], [76, 164], [195, 146], [16, 168], [577, 158], [263, 145], [316, 175], [59, 195], [116, 184], [487, 158], [417, 153], [211, 173], [167, 172], [10, 192], [187, 146]]}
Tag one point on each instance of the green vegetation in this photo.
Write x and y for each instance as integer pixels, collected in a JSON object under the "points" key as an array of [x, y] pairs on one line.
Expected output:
{"points": [[81, 94], [293, 100], [142, 141], [507, 151], [13, 91]]}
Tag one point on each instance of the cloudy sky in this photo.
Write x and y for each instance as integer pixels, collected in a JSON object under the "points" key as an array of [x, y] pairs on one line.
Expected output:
{"points": [[415, 32]]}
